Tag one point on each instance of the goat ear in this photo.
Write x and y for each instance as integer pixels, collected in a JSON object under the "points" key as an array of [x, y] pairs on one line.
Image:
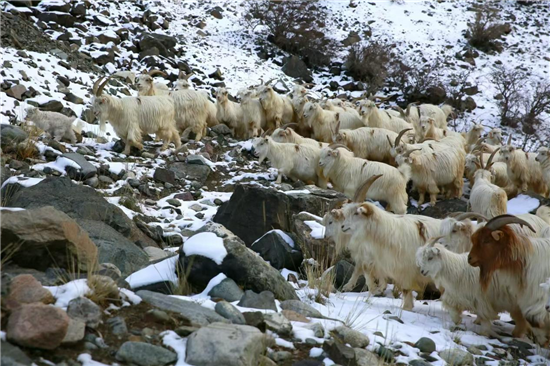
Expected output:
{"points": [[103, 99], [497, 235], [364, 210]]}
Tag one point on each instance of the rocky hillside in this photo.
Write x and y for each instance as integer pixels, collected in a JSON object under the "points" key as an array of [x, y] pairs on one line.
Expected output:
{"points": [[196, 256]]}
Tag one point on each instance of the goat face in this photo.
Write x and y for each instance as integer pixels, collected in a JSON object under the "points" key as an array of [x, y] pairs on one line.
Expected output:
{"points": [[477, 129], [31, 112], [340, 138], [328, 158], [367, 108], [494, 137], [281, 135], [456, 234], [487, 246], [506, 152], [309, 109], [265, 94], [333, 221], [221, 95], [100, 107], [260, 147], [181, 84], [472, 163], [543, 155], [144, 82], [428, 260], [359, 213]]}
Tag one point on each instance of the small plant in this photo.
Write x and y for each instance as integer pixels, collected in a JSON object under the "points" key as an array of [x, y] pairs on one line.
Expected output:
{"points": [[369, 63], [27, 149], [484, 32]]}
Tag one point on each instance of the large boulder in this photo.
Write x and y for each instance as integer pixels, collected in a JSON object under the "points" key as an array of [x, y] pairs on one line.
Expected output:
{"points": [[253, 210], [278, 248], [47, 238], [191, 172], [225, 344], [310, 236], [80, 203], [10, 135], [296, 68], [441, 209], [163, 43], [241, 264]]}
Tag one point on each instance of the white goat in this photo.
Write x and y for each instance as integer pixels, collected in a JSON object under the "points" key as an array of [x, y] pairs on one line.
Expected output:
{"points": [[132, 116], [278, 108], [288, 135], [494, 137], [414, 113], [147, 87], [230, 113], [183, 84], [57, 125], [291, 160], [543, 158], [374, 117], [323, 122], [253, 114], [473, 137], [347, 173]]}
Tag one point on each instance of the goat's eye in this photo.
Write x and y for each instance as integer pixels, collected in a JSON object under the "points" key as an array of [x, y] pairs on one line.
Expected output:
{"points": [[429, 259], [330, 223]]}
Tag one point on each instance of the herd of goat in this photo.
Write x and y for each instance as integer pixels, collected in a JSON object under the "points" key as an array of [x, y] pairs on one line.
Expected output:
{"points": [[496, 263]]}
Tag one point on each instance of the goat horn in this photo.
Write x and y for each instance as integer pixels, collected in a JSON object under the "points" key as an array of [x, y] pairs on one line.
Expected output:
{"points": [[432, 241], [410, 152], [267, 132], [481, 160], [337, 129], [102, 86], [335, 146], [499, 221], [362, 191], [181, 75], [288, 124], [509, 139], [157, 72], [401, 111], [401, 133], [389, 140], [460, 216], [490, 161], [96, 83]]}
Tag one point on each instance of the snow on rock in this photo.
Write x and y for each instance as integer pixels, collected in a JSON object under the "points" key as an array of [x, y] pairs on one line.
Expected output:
{"points": [[178, 344], [71, 290], [207, 245], [86, 360], [522, 204], [24, 181], [281, 233], [317, 230], [60, 164], [162, 271]]}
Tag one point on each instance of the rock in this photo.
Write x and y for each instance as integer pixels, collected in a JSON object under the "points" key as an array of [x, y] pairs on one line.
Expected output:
{"points": [[37, 326], [255, 319], [435, 95], [216, 13], [85, 310], [186, 196], [227, 290], [51, 106], [48, 238], [280, 356], [419, 362], [174, 202], [441, 209], [17, 91], [457, 357], [316, 248], [385, 354], [18, 165], [145, 354], [66, 196], [294, 316], [221, 129], [365, 358], [25, 289], [352, 337], [10, 135], [343, 270], [70, 97], [164, 43], [193, 172], [197, 159], [263, 300], [227, 344], [252, 210], [296, 68], [274, 247], [75, 332], [114, 248], [155, 254], [301, 308], [87, 170], [425, 345], [193, 312], [229, 312], [13, 356], [469, 104], [78, 10], [278, 323], [164, 176], [352, 38], [241, 264], [339, 352], [118, 326]]}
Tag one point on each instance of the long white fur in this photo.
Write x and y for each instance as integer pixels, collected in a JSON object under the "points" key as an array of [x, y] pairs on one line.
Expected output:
{"points": [[288, 135], [253, 114], [323, 122], [487, 198], [230, 113], [414, 113], [374, 117], [543, 158], [212, 119], [56, 124], [368, 143], [278, 108], [146, 86], [524, 171]]}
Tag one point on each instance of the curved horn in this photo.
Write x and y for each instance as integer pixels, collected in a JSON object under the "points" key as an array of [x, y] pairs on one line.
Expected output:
{"points": [[389, 141], [96, 83], [287, 125], [337, 129], [509, 139], [499, 221], [490, 161], [410, 152], [432, 241], [460, 216], [401, 133], [267, 132], [362, 191], [157, 72], [102, 85], [181, 75], [401, 111], [335, 146], [481, 160]]}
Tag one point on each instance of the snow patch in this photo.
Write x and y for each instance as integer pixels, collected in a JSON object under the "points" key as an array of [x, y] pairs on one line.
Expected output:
{"points": [[522, 204], [158, 272], [207, 245], [317, 230]]}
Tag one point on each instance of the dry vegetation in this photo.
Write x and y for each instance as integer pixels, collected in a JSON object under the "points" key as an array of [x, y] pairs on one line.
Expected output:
{"points": [[484, 32]]}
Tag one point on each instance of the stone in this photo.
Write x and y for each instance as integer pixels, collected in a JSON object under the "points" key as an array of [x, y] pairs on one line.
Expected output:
{"points": [[164, 176], [225, 344], [274, 248], [227, 289], [51, 106], [339, 352], [301, 308], [425, 345], [255, 319], [385, 354], [48, 238], [241, 264], [118, 326], [186, 196], [419, 362], [296, 68], [252, 210], [216, 13], [229, 312], [164, 43], [352, 337], [184, 331], [457, 357], [87, 170], [263, 300], [10, 135], [197, 159], [193, 312], [145, 354], [25, 289], [155, 254], [315, 247], [192, 172], [70, 97], [216, 75], [441, 210], [294, 316], [221, 129], [85, 310], [278, 323], [365, 358], [343, 270], [280, 356], [13, 356], [174, 202], [17, 91], [37, 326], [75, 332], [352, 38]]}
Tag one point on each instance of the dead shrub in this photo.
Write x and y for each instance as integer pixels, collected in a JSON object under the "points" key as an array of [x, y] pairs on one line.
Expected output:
{"points": [[295, 26], [535, 104], [483, 33], [422, 84], [508, 84], [369, 64]]}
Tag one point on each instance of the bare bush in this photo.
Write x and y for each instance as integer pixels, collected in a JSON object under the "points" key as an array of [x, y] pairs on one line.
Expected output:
{"points": [[423, 84], [295, 26], [509, 86], [484, 32], [369, 64], [535, 105]]}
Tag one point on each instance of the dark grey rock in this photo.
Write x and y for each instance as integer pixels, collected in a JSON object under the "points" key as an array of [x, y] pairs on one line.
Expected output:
{"points": [[301, 308], [343, 270], [441, 209], [197, 159], [10, 135], [51, 106], [191, 172], [118, 326], [13, 356], [278, 323], [419, 362], [296, 68], [457, 357], [339, 352], [17, 91], [164, 176], [229, 312], [221, 129], [195, 313], [145, 354], [85, 310], [425, 345], [273, 248], [352, 337], [87, 170], [227, 290], [263, 300]]}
